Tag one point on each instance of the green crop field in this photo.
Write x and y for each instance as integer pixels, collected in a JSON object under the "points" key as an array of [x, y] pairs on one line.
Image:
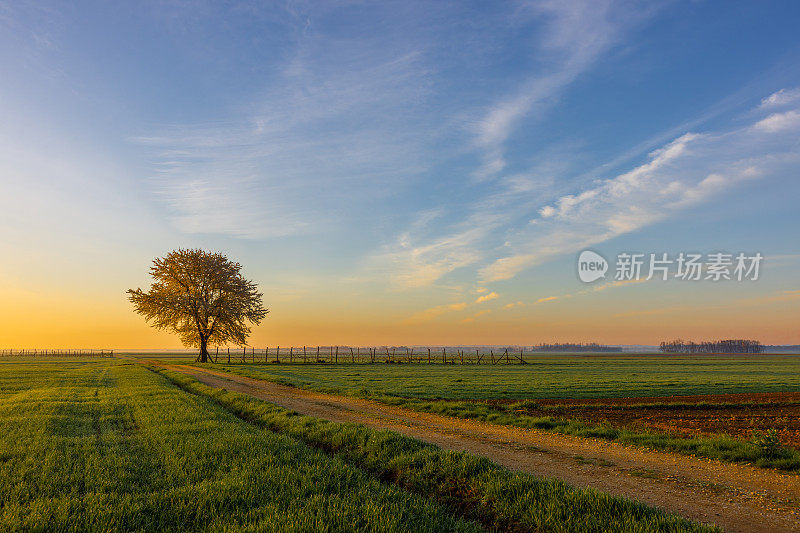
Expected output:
{"points": [[111, 445], [459, 391], [556, 376]]}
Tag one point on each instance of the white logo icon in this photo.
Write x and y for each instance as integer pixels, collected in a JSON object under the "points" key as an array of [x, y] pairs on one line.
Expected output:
{"points": [[591, 266]]}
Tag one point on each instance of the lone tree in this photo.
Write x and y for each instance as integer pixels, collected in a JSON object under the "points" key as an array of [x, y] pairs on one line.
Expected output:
{"points": [[202, 297]]}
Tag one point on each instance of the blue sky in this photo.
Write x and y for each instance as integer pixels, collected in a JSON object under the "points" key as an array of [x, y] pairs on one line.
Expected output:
{"points": [[395, 161]]}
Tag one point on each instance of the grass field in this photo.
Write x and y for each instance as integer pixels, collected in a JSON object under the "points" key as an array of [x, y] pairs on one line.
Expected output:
{"points": [[106, 446], [497, 394], [567, 376], [113, 446]]}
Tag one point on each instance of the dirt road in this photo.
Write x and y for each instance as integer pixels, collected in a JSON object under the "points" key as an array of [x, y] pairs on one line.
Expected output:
{"points": [[735, 497]]}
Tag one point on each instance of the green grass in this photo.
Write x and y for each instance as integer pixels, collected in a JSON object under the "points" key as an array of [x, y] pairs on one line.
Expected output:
{"points": [[104, 446], [703, 376], [475, 486], [114, 446], [555, 376], [21, 374]]}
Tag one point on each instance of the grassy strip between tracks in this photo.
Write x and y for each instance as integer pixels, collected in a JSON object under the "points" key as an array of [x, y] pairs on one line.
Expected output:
{"points": [[477, 488]]}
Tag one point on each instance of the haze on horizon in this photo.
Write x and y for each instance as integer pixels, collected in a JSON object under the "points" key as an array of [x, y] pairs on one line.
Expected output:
{"points": [[402, 172]]}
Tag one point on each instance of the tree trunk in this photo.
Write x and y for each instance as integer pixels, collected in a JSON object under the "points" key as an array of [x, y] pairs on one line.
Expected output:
{"points": [[203, 350]]}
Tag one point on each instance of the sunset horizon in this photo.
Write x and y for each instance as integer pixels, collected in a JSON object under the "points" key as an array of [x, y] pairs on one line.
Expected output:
{"points": [[400, 266]]}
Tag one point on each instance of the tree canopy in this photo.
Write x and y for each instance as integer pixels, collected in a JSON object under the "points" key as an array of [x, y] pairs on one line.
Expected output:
{"points": [[201, 296]]}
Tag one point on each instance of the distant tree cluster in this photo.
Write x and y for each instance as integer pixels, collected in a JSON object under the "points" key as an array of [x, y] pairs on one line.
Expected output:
{"points": [[723, 346], [570, 347]]}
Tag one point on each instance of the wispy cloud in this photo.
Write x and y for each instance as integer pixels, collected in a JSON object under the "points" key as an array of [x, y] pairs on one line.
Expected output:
{"points": [[411, 264], [480, 313], [686, 172], [289, 160], [487, 297], [591, 290], [779, 122], [613, 285], [781, 98], [429, 314], [505, 231], [574, 35]]}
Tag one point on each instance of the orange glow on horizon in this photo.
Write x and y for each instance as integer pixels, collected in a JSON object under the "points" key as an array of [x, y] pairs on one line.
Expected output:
{"points": [[34, 320]]}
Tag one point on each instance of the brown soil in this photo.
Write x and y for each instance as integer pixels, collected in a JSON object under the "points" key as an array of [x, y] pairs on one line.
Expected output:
{"points": [[734, 496], [737, 415], [754, 397]]}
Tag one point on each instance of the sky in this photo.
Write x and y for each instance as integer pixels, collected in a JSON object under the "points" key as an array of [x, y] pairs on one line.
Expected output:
{"points": [[402, 172]]}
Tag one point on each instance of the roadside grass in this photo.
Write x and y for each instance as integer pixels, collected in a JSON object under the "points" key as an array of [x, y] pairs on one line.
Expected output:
{"points": [[115, 447], [720, 447], [552, 376], [474, 486]]}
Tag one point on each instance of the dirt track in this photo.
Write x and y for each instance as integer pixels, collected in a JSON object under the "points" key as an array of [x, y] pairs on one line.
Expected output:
{"points": [[735, 497]]}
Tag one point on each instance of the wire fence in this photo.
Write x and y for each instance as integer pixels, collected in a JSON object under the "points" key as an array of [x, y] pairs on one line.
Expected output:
{"points": [[385, 354], [56, 352], [336, 354]]}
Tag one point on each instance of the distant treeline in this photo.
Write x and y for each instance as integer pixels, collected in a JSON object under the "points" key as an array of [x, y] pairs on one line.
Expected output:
{"points": [[723, 346], [570, 347], [782, 348]]}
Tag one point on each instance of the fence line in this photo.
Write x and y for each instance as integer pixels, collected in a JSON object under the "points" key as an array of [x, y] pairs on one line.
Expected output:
{"points": [[384, 354], [56, 352]]}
